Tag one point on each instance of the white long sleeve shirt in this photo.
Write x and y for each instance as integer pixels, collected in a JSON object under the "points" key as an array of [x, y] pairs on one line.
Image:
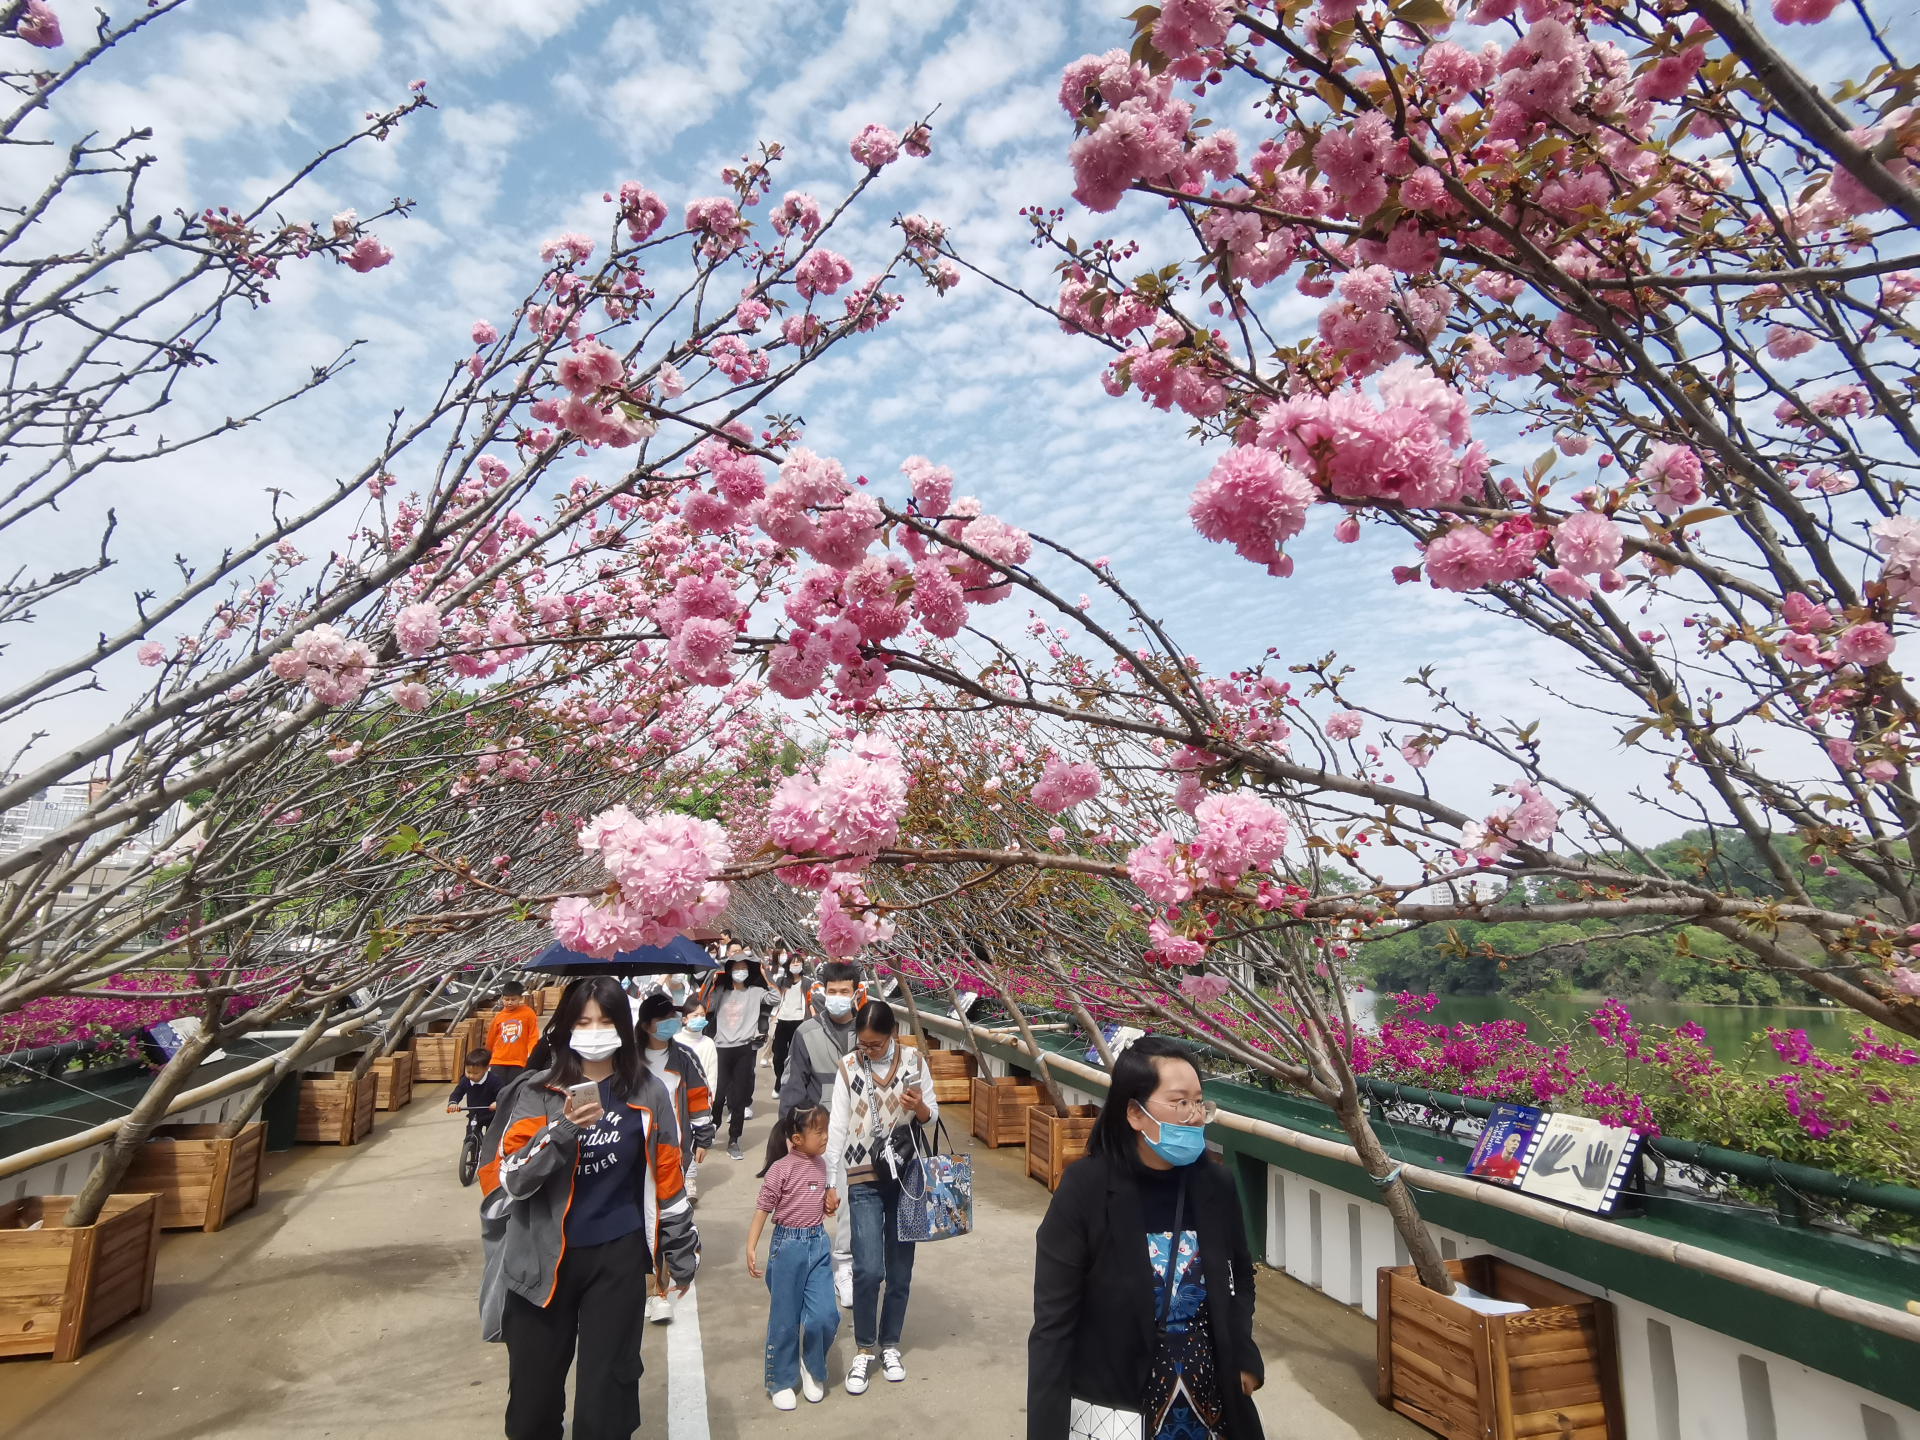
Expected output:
{"points": [[853, 1129]]}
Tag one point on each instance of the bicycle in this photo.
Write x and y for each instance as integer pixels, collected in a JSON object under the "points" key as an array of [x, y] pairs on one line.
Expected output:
{"points": [[477, 1123]]}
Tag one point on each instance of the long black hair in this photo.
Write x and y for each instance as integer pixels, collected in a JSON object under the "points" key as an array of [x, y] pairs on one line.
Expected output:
{"points": [[1136, 1075], [629, 1068], [756, 975]]}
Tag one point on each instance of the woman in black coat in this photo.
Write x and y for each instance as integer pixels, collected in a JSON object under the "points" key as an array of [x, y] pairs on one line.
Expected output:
{"points": [[1107, 1336]]}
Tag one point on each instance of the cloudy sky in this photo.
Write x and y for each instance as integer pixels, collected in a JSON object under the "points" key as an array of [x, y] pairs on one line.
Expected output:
{"points": [[542, 108]]}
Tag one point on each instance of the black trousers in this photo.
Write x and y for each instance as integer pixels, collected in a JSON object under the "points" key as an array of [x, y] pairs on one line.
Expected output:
{"points": [[733, 1091], [599, 1306], [782, 1043]]}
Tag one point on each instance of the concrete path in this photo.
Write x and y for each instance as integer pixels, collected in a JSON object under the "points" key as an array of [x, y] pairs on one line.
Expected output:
{"points": [[343, 1305]]}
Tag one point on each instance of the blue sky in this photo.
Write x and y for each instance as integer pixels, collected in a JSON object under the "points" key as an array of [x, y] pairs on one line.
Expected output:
{"points": [[543, 108]]}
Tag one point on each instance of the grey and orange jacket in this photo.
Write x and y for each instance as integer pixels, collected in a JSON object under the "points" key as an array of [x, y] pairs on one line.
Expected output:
{"points": [[692, 1100], [538, 1155]]}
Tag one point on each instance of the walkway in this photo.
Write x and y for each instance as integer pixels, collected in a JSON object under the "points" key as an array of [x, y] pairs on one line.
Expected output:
{"points": [[343, 1305]]}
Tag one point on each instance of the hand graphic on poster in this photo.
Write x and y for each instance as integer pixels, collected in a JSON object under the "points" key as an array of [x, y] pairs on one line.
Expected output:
{"points": [[1599, 1167]]}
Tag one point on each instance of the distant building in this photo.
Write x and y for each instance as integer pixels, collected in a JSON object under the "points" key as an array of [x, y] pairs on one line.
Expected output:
{"points": [[58, 806]]}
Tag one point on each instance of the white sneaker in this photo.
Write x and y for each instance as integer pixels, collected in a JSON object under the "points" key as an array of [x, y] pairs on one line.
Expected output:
{"points": [[811, 1388], [783, 1400], [660, 1309], [693, 1180], [843, 1291], [890, 1365], [857, 1374], [748, 1112]]}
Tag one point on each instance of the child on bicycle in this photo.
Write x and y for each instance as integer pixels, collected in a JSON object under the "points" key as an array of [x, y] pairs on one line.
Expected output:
{"points": [[479, 1086], [802, 1318]]}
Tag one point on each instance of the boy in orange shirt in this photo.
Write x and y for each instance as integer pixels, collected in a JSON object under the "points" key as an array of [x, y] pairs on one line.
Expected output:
{"points": [[511, 1036]]}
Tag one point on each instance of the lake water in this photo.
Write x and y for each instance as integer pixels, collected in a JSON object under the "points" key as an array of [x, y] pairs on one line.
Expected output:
{"points": [[1730, 1028]]}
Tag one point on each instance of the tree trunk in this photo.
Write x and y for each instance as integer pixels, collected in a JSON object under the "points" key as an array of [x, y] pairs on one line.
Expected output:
{"points": [[397, 1032], [1398, 1199], [139, 1124], [913, 1012], [395, 1027], [966, 1029], [288, 1058], [1054, 1097], [1093, 1031]]}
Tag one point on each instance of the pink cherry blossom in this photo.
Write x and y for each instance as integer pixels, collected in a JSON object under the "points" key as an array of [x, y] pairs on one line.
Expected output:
{"points": [[1587, 543], [642, 210], [1159, 869], [484, 333], [151, 653], [412, 696], [1170, 947], [875, 146], [797, 212], [1205, 989], [1344, 724], [821, 273], [1804, 615], [1237, 832], [1673, 473], [39, 26], [367, 254], [416, 630], [1864, 645], [1255, 501], [1062, 786]]}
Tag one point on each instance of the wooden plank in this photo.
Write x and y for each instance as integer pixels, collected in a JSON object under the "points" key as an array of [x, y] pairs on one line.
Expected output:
{"points": [[1606, 1359], [1502, 1379], [72, 1334], [1554, 1377], [1436, 1312], [1483, 1376], [1538, 1350], [1436, 1423], [1449, 1380], [1443, 1350], [1560, 1420], [1456, 1416], [1556, 1320], [1580, 1392], [1383, 1336], [1508, 1281]]}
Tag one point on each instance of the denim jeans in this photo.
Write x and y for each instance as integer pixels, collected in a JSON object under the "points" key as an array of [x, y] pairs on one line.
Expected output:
{"points": [[802, 1314], [878, 1254]]}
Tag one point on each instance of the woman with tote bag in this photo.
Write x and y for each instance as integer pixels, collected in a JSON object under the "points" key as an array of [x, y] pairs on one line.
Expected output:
{"points": [[1143, 1285]]}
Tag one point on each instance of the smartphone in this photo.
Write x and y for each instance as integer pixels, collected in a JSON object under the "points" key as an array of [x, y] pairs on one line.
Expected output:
{"points": [[586, 1090]]}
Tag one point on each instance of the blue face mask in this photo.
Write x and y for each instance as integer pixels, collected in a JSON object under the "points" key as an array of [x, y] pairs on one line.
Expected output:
{"points": [[698, 1024], [1178, 1144], [666, 1029]]}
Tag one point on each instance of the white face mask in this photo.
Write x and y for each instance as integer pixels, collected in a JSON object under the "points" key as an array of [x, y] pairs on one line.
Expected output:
{"points": [[839, 1006], [594, 1044], [796, 969], [739, 973]]}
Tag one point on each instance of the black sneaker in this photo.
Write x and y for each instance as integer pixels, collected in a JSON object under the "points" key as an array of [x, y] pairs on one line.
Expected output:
{"points": [[733, 1150]]}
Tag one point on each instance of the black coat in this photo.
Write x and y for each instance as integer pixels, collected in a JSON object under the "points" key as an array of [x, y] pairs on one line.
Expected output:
{"points": [[1093, 1295]]}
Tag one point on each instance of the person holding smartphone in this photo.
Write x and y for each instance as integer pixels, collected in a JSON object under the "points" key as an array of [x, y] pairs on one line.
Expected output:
{"points": [[591, 1156], [879, 1089]]}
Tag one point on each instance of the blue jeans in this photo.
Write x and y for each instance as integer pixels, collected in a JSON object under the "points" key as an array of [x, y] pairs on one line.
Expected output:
{"points": [[878, 1254], [803, 1313]]}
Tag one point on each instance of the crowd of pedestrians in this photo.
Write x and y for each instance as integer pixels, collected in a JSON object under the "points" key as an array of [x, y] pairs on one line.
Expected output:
{"points": [[1143, 1285]]}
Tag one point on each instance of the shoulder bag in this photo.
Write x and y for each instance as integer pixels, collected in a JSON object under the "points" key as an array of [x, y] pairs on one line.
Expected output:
{"points": [[936, 1190]]}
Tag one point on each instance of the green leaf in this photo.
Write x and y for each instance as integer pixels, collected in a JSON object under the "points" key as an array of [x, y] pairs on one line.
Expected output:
{"points": [[1425, 13]]}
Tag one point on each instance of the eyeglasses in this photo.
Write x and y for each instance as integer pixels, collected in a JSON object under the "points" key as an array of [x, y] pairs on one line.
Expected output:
{"points": [[1185, 1112]]}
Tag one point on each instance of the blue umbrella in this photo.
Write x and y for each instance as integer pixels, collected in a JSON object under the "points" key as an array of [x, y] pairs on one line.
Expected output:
{"points": [[677, 955]]}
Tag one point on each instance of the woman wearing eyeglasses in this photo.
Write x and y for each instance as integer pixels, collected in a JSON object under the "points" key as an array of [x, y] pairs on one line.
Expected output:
{"points": [[1143, 1285]]}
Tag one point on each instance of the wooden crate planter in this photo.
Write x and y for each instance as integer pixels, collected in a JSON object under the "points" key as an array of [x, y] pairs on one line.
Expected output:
{"points": [[1055, 1140], [436, 1058], [201, 1179], [952, 1072], [334, 1110], [393, 1081], [58, 1287], [1000, 1109], [1552, 1371], [549, 998]]}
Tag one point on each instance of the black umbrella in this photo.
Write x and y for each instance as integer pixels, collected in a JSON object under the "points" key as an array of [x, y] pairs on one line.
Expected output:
{"points": [[677, 955]]}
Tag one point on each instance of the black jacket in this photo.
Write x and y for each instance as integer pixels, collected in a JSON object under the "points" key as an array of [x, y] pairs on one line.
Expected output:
{"points": [[1093, 1295]]}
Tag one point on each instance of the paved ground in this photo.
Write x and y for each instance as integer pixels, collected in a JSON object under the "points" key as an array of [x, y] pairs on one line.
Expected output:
{"points": [[343, 1305]]}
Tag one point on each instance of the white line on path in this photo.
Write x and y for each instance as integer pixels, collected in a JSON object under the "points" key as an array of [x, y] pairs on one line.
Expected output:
{"points": [[686, 1371]]}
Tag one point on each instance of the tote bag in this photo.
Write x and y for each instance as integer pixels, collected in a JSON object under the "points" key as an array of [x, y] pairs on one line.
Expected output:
{"points": [[936, 1192]]}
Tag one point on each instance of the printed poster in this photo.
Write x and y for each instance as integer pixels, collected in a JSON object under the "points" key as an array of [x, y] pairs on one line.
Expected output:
{"points": [[1502, 1151], [1579, 1161]]}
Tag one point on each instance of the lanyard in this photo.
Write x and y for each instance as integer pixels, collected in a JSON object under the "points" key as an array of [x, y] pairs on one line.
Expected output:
{"points": [[1164, 1306]]}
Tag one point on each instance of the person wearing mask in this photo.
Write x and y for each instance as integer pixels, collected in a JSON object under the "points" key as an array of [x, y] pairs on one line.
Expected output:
{"points": [[686, 1084], [694, 1037], [676, 988], [591, 1159], [789, 977], [1143, 1286], [879, 1091], [512, 1034], [812, 1066], [733, 1007]]}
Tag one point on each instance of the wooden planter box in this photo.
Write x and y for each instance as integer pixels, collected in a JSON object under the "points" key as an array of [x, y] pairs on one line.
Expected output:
{"points": [[1553, 1371], [201, 1180], [952, 1072], [549, 997], [393, 1081], [59, 1288], [334, 1110], [435, 1058], [1000, 1109], [1055, 1140]]}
